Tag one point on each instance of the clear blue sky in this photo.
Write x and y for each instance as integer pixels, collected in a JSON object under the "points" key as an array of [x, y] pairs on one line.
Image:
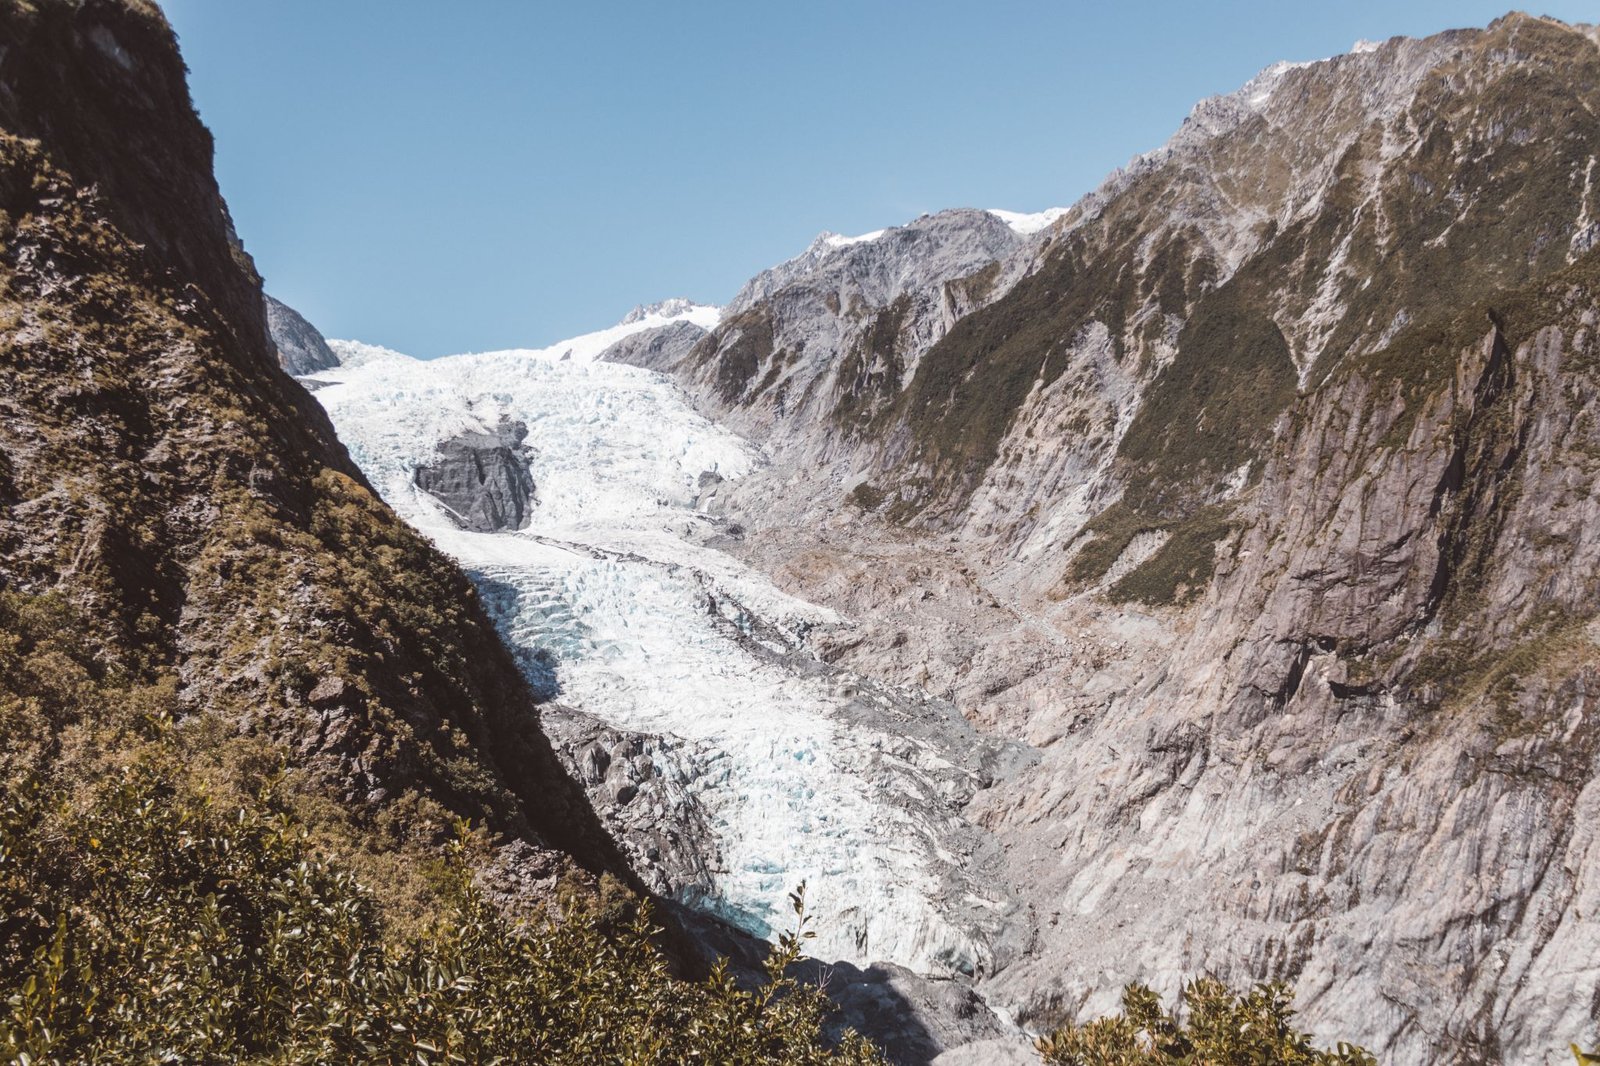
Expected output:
{"points": [[454, 176]]}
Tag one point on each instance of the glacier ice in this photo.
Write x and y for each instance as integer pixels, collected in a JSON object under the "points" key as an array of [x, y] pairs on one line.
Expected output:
{"points": [[613, 600]]}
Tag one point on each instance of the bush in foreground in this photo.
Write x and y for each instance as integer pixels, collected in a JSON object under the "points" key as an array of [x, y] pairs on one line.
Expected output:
{"points": [[144, 923], [1220, 1028]]}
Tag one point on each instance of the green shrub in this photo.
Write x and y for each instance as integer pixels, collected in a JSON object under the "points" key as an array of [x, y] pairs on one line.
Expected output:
{"points": [[866, 497], [148, 924], [1182, 567], [1221, 1028]]}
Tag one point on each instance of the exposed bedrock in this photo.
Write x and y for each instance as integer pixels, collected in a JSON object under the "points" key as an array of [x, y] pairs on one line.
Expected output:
{"points": [[662, 348], [301, 347], [483, 479], [1259, 498]]}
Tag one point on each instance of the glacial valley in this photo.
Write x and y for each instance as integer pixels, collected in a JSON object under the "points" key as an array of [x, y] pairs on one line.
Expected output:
{"points": [[1195, 579]]}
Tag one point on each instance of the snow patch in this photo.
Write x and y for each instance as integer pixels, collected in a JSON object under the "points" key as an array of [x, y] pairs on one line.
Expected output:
{"points": [[1258, 90], [1026, 224], [835, 240]]}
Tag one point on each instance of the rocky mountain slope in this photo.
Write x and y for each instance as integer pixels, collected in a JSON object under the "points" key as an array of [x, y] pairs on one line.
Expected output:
{"points": [[1252, 493], [180, 511], [301, 348]]}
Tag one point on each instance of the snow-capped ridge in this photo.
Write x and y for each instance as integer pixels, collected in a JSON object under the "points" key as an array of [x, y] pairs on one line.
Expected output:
{"points": [[587, 347], [836, 240], [584, 348], [1028, 224], [672, 308]]}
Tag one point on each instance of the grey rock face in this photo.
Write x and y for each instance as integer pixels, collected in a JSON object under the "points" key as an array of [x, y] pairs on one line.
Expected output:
{"points": [[948, 244], [637, 781], [915, 1018], [829, 335], [662, 348], [483, 479], [301, 348]]}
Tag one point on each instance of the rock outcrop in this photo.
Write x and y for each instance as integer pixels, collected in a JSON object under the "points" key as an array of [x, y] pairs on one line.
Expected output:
{"points": [[662, 348], [482, 479], [301, 348]]}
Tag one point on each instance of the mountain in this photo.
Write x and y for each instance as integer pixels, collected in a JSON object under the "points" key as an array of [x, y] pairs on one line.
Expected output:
{"points": [[822, 337], [180, 513], [1252, 494], [1201, 578]]}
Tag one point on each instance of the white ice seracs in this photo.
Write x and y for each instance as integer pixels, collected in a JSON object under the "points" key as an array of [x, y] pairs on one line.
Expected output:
{"points": [[358, 353]]}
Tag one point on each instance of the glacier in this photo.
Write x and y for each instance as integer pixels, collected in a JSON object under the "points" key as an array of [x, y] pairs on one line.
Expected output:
{"points": [[622, 607]]}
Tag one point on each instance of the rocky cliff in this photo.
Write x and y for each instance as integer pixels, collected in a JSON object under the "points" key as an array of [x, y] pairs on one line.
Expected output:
{"points": [[482, 478], [661, 348], [1253, 494], [301, 347], [183, 510]]}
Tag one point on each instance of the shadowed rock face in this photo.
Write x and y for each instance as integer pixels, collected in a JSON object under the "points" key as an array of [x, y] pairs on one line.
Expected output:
{"points": [[483, 479], [301, 347]]}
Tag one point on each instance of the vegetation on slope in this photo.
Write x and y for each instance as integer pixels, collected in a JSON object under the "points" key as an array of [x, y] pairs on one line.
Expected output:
{"points": [[171, 891], [969, 387], [1219, 1028], [147, 923]]}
